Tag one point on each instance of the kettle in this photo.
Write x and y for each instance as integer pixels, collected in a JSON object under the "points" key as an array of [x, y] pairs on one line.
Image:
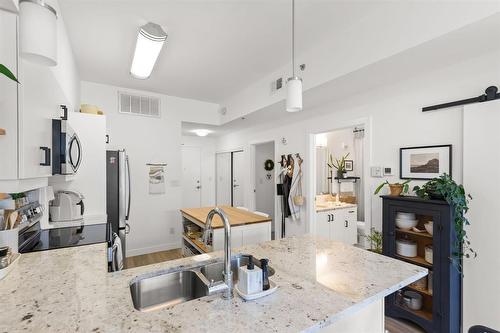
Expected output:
{"points": [[66, 206]]}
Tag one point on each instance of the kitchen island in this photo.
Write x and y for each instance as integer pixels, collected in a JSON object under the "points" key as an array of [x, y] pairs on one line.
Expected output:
{"points": [[322, 284], [246, 228]]}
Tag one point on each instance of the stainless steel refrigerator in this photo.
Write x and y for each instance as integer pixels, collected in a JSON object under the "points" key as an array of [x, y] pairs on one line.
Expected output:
{"points": [[118, 195]]}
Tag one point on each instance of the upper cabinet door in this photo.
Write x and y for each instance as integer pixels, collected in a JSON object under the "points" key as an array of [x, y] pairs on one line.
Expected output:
{"points": [[39, 101], [8, 96]]}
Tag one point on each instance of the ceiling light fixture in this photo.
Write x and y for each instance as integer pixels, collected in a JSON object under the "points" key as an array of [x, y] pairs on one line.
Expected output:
{"points": [[150, 40], [294, 83], [201, 132]]}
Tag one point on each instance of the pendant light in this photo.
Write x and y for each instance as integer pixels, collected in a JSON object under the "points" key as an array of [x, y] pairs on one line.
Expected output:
{"points": [[293, 83], [38, 32]]}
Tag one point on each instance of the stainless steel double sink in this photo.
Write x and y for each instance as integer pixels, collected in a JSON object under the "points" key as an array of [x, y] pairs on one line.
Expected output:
{"points": [[168, 289]]}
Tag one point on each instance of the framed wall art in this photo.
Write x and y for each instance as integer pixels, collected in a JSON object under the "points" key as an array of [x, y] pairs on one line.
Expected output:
{"points": [[424, 162]]}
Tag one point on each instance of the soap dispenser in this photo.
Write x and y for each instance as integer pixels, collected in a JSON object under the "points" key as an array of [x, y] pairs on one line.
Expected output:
{"points": [[250, 278]]}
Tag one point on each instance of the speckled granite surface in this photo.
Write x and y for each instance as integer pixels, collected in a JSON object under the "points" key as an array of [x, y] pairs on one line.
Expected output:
{"points": [[320, 281]]}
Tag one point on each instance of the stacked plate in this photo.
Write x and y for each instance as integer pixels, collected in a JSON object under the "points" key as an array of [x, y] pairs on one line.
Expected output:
{"points": [[406, 221]]}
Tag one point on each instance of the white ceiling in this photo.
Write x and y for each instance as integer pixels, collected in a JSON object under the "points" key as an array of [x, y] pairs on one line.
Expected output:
{"points": [[427, 57], [215, 47]]}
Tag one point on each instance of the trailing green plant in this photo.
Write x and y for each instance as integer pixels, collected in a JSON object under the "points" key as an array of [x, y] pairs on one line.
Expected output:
{"points": [[444, 187], [405, 184], [5, 71], [375, 239], [338, 164]]}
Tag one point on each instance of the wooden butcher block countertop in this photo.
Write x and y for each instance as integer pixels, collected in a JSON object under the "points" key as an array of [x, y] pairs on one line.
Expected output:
{"points": [[235, 215]]}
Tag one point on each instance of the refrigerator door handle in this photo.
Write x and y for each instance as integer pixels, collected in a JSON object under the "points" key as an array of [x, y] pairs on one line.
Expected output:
{"points": [[128, 187]]}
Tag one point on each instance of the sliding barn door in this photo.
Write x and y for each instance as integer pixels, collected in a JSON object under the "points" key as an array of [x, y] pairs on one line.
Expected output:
{"points": [[482, 181]]}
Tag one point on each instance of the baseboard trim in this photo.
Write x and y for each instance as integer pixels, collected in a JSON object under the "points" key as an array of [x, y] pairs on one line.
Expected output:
{"points": [[152, 249]]}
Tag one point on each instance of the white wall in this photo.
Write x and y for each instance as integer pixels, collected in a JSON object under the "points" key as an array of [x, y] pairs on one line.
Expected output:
{"points": [[66, 71], [395, 120], [154, 219], [264, 187], [207, 150]]}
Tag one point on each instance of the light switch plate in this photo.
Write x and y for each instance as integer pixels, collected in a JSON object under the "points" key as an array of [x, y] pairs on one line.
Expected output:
{"points": [[376, 171]]}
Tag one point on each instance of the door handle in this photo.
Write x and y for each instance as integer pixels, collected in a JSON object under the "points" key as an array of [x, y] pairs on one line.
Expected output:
{"points": [[46, 157]]}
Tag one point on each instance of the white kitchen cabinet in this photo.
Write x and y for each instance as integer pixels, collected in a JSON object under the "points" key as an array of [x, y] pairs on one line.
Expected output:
{"points": [[39, 99], [243, 235], [26, 109], [338, 224], [8, 96]]}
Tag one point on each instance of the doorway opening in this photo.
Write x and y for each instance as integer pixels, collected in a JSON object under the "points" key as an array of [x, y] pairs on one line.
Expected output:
{"points": [[264, 181], [340, 175]]}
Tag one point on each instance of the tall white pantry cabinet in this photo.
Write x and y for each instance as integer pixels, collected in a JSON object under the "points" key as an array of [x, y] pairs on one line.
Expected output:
{"points": [[26, 109]]}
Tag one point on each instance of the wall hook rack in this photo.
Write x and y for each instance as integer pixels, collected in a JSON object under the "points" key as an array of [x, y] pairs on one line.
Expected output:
{"points": [[490, 94]]}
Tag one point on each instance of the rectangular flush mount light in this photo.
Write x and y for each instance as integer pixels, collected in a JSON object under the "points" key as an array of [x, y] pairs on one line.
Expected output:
{"points": [[150, 40]]}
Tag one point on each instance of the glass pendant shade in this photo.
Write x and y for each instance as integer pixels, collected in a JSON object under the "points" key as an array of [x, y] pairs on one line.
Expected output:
{"points": [[294, 94], [38, 32]]}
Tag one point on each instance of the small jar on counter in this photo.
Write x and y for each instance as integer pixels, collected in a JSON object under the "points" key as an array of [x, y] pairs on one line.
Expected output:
{"points": [[4, 257]]}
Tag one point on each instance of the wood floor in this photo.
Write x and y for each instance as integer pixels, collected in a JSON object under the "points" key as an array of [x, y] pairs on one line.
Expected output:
{"points": [[152, 258], [399, 326], [391, 325]]}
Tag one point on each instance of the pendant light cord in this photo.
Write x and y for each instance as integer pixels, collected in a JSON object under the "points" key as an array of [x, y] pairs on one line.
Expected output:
{"points": [[293, 38]]}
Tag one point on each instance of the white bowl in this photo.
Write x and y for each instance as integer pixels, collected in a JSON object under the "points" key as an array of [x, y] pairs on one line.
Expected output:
{"points": [[406, 224], [406, 248], [428, 227], [406, 216]]}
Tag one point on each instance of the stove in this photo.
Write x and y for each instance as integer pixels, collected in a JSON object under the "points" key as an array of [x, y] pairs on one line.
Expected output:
{"points": [[68, 237]]}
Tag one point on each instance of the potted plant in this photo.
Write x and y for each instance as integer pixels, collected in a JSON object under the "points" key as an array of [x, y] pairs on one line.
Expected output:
{"points": [[445, 188], [375, 239], [338, 164], [5, 71], [396, 189]]}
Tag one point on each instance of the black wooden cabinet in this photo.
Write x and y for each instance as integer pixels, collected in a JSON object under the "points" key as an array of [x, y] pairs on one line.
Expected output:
{"points": [[442, 305]]}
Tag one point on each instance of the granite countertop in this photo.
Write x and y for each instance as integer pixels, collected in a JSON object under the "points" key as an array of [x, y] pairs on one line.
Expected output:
{"points": [[326, 206], [320, 281]]}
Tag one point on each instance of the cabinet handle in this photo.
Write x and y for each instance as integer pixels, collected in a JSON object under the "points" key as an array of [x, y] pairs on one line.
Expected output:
{"points": [[333, 217], [351, 211], [329, 218], [346, 224], [46, 161]]}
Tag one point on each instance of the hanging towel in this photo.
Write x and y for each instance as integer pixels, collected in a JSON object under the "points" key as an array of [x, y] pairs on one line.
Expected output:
{"points": [[117, 253], [295, 189]]}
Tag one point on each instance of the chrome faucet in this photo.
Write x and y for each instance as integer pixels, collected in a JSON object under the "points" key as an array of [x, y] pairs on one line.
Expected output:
{"points": [[228, 274]]}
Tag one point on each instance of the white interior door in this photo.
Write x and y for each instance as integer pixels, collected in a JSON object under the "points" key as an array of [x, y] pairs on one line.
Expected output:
{"points": [[481, 179], [238, 178], [191, 177], [223, 175]]}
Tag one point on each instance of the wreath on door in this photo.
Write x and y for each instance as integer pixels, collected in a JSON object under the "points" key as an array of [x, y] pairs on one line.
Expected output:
{"points": [[269, 165]]}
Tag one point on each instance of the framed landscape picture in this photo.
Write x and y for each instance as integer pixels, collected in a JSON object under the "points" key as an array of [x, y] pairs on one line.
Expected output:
{"points": [[424, 162]]}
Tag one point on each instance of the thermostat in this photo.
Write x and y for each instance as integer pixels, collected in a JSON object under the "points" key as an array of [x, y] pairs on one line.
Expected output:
{"points": [[387, 171]]}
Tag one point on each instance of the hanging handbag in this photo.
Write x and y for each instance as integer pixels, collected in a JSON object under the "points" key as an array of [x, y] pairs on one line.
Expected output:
{"points": [[298, 199]]}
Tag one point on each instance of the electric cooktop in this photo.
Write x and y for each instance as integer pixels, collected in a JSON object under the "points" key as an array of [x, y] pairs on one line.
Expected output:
{"points": [[68, 237]]}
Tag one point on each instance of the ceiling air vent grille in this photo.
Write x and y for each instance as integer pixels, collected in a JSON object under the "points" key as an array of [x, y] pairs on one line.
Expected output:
{"points": [[138, 105]]}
